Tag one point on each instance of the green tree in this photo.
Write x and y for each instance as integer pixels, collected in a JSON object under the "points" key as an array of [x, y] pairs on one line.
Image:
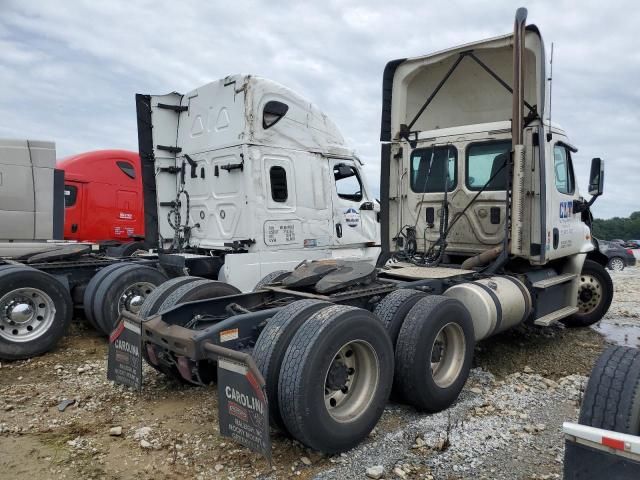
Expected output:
{"points": [[616, 227]]}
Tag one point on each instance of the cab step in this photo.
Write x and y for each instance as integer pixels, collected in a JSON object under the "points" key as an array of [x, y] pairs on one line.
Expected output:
{"points": [[553, 317], [550, 282]]}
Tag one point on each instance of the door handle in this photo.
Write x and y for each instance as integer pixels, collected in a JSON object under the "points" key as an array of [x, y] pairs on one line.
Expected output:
{"points": [[556, 238], [338, 230], [74, 227]]}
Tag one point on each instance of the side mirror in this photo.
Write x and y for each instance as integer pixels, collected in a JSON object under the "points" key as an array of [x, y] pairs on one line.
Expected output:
{"points": [[596, 177], [343, 171]]}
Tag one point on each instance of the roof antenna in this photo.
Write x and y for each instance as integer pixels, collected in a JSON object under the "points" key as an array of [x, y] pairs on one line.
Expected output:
{"points": [[549, 136]]}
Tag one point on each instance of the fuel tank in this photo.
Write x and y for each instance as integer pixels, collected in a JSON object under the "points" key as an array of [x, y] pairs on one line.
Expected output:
{"points": [[495, 303]]}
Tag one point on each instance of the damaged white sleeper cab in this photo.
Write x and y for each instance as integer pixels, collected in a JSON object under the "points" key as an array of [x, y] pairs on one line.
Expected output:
{"points": [[485, 223], [259, 171]]}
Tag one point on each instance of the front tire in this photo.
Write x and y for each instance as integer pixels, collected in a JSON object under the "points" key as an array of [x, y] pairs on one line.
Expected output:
{"points": [[35, 312], [434, 353], [335, 378], [594, 295]]}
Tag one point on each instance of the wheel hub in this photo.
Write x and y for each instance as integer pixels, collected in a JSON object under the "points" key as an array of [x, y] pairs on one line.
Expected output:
{"points": [[447, 355], [436, 353], [350, 381], [25, 314], [586, 294], [20, 312], [338, 376], [134, 296], [135, 303], [589, 295]]}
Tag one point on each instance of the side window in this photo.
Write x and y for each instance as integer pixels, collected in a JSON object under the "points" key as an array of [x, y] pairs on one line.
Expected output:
{"points": [[127, 168], [278, 180], [485, 164], [430, 168], [348, 184], [70, 195], [563, 169]]}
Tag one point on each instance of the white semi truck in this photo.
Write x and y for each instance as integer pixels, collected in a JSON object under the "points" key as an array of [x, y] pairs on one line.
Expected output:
{"points": [[479, 213]]}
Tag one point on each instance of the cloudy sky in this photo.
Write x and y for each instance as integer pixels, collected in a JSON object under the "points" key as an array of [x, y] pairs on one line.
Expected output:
{"points": [[70, 68]]}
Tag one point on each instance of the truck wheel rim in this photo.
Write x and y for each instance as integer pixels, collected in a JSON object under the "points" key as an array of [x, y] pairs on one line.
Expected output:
{"points": [[447, 355], [617, 265], [351, 381], [134, 296], [25, 314], [589, 294]]}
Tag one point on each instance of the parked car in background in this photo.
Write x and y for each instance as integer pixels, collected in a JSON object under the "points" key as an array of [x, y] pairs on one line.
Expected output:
{"points": [[618, 241], [619, 256], [634, 246]]}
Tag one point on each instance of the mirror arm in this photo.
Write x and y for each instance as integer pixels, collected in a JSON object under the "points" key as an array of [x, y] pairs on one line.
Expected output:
{"points": [[592, 200]]}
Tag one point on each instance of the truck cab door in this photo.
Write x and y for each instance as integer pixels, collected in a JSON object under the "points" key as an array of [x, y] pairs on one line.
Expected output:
{"points": [[354, 215], [566, 233], [73, 204]]}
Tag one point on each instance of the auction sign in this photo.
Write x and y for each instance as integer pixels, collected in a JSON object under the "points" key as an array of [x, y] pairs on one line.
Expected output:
{"points": [[243, 412], [125, 358]]}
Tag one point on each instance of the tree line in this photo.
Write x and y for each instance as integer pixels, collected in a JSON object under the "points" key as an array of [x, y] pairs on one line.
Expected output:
{"points": [[616, 227]]}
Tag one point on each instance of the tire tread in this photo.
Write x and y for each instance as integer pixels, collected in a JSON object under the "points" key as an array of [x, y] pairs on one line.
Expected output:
{"points": [[612, 397]]}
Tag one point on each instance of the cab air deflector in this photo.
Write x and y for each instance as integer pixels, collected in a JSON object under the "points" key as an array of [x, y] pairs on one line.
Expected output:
{"points": [[405, 130]]}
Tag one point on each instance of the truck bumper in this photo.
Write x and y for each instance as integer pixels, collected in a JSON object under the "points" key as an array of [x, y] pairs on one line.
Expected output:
{"points": [[187, 353]]}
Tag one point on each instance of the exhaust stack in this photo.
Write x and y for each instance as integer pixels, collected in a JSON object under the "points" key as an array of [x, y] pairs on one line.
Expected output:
{"points": [[517, 125]]}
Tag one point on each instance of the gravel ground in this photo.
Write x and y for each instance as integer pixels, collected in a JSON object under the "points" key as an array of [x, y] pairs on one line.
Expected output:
{"points": [[506, 424]]}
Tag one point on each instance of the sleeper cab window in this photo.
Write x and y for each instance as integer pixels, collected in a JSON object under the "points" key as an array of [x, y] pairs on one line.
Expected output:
{"points": [[431, 167], [273, 112], [348, 184], [278, 180], [486, 165], [563, 170], [127, 169], [70, 195]]}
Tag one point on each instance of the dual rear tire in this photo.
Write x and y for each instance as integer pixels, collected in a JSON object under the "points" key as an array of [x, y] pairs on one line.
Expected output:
{"points": [[116, 288], [172, 293], [351, 353]]}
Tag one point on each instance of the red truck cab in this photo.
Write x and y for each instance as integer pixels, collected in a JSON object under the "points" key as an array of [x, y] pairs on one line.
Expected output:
{"points": [[103, 196]]}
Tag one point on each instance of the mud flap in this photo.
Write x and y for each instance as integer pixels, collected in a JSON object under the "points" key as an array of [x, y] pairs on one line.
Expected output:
{"points": [[243, 411], [124, 365]]}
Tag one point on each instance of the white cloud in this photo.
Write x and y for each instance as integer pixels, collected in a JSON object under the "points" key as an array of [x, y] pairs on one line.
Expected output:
{"points": [[71, 69]]}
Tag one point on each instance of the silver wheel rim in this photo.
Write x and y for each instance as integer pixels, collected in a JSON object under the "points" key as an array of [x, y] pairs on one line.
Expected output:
{"points": [[134, 296], [589, 294], [351, 381], [617, 264], [447, 355], [25, 314]]}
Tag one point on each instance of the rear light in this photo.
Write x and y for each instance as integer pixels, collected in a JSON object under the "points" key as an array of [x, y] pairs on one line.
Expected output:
{"points": [[629, 251]]}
